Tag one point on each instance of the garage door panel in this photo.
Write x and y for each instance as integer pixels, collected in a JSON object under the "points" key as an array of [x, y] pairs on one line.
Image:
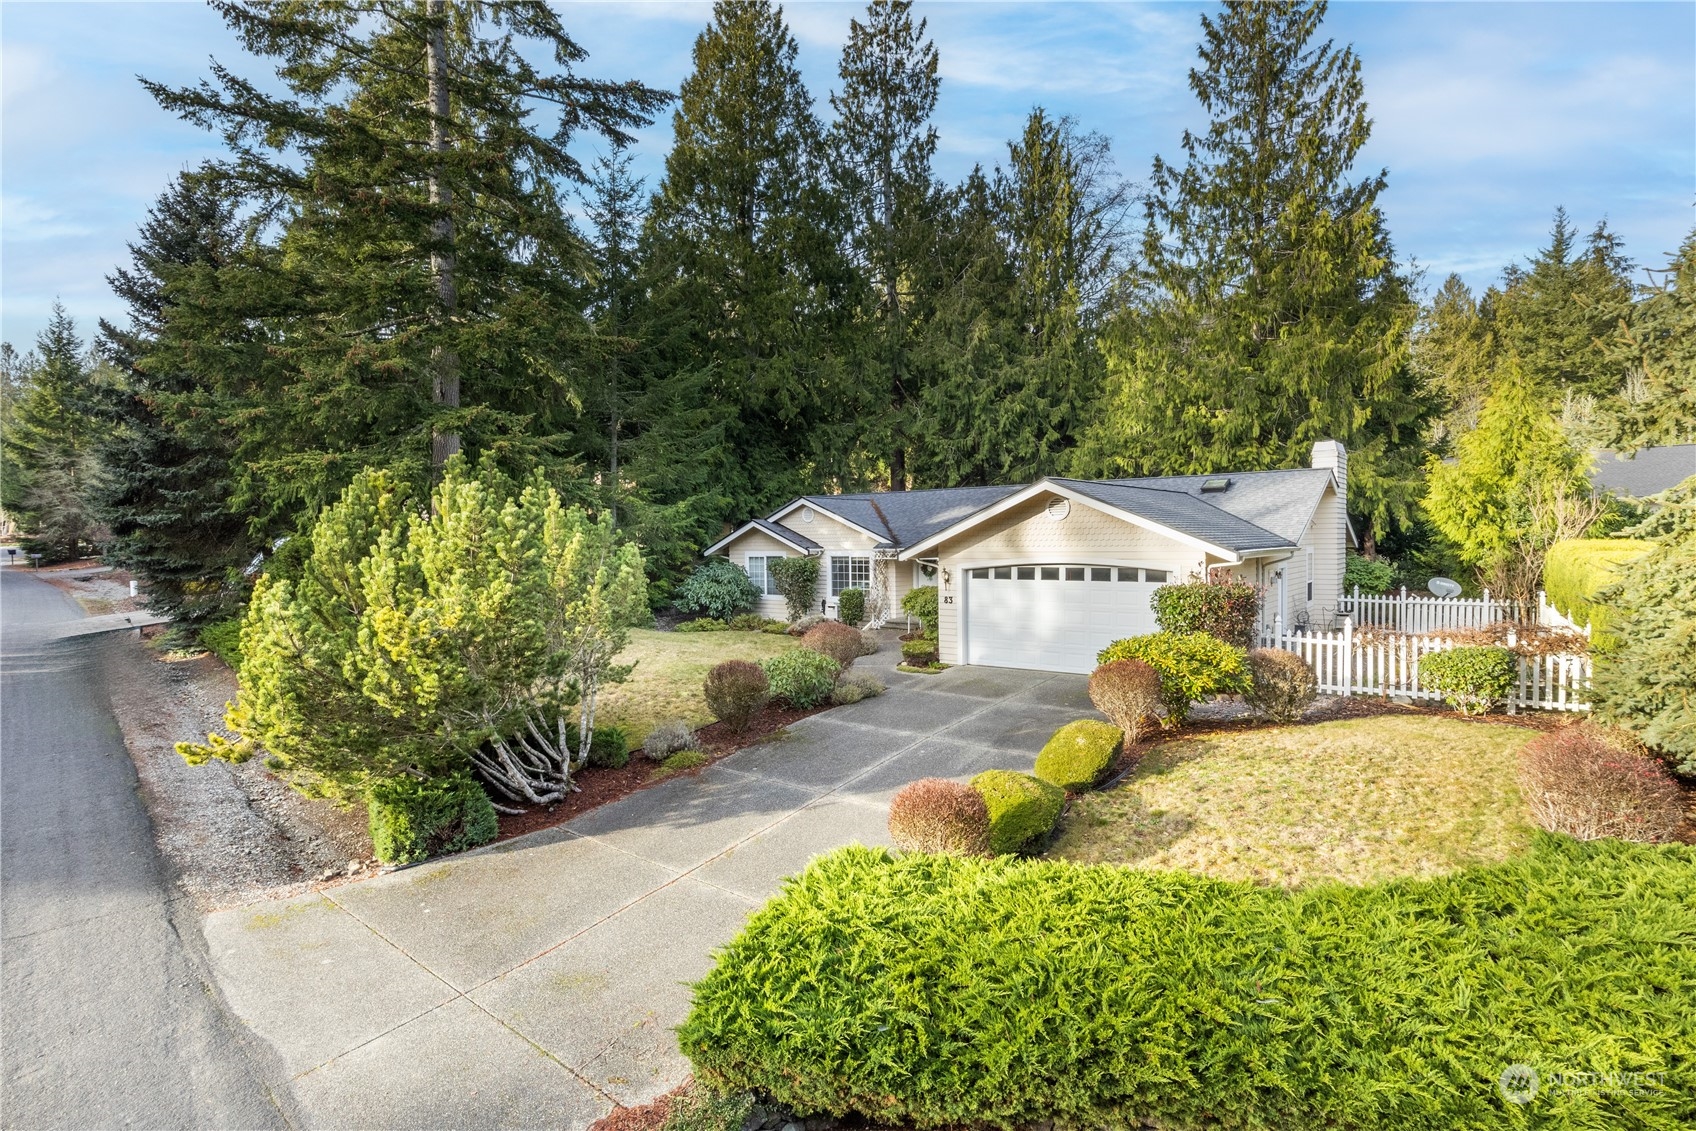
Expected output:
{"points": [[1052, 625]]}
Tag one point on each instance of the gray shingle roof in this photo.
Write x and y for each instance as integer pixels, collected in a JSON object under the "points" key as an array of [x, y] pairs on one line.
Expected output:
{"points": [[1649, 472], [1279, 501], [778, 530], [905, 517], [1182, 511]]}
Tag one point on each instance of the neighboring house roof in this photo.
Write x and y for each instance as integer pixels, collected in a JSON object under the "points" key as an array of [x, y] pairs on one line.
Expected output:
{"points": [[1649, 472], [782, 533]]}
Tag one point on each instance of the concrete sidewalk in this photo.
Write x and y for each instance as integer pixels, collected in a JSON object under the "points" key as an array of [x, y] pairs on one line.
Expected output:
{"points": [[538, 982]]}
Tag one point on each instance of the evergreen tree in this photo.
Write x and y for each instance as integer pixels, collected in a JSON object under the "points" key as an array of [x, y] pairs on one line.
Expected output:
{"points": [[50, 473], [1654, 347], [1270, 312], [746, 238], [424, 242], [1454, 356], [881, 148], [166, 488]]}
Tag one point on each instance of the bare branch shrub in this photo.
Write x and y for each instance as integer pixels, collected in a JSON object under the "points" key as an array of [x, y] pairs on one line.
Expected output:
{"points": [[1588, 783]]}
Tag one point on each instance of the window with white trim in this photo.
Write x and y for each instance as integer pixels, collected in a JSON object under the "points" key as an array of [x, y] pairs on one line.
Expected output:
{"points": [[849, 573], [1310, 576], [759, 572]]}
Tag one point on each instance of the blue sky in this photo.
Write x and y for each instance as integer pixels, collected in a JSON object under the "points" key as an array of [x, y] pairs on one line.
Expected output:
{"points": [[1487, 115]]}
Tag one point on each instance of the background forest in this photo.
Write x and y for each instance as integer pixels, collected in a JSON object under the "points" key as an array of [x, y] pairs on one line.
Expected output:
{"points": [[403, 254]]}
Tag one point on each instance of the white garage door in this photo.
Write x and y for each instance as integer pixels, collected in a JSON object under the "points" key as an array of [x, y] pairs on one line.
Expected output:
{"points": [[1054, 617]]}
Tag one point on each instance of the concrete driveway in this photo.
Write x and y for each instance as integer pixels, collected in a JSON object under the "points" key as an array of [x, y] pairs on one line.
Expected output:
{"points": [[537, 982]]}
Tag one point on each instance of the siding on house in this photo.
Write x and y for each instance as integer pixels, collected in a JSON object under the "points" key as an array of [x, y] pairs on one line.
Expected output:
{"points": [[1027, 535], [1327, 536], [757, 543], [837, 539]]}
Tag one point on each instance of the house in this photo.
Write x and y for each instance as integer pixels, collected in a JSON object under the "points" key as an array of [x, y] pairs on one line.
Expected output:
{"points": [[1045, 575], [1646, 472]]}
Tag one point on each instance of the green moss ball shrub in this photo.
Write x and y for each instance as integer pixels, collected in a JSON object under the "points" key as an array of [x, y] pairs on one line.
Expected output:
{"points": [[1371, 575], [1227, 609], [919, 653], [945, 991], [414, 820], [836, 640], [1128, 693], [851, 607], [1471, 680], [921, 605], [801, 677], [1585, 782], [736, 691], [1281, 685], [719, 588], [1022, 809], [1079, 753], [1192, 666], [938, 815], [609, 747]]}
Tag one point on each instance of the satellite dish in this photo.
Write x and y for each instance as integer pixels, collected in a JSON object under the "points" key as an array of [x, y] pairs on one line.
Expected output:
{"points": [[1443, 587]]}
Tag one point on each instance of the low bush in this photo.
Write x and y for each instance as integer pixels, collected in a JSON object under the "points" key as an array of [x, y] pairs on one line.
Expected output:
{"points": [[719, 588], [776, 628], [1471, 680], [1079, 753], [938, 815], [736, 691], [1372, 575], [1588, 784], [851, 687], [920, 652], [1022, 809], [1222, 607], [680, 761], [1127, 692], [797, 579], [869, 643], [698, 1108], [223, 639], [921, 605], [836, 640], [1192, 667], [413, 820], [1281, 686], [703, 624], [802, 677], [609, 747], [851, 607], [668, 738], [803, 625], [749, 622], [943, 991]]}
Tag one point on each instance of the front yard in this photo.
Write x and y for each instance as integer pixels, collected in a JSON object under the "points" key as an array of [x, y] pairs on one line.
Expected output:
{"points": [[670, 668], [1358, 800]]}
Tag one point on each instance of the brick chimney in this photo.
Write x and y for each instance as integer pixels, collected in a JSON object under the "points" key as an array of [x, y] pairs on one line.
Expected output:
{"points": [[1331, 454]]}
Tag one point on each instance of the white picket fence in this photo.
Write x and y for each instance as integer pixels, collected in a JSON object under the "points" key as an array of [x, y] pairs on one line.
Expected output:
{"points": [[1407, 612], [1344, 664]]}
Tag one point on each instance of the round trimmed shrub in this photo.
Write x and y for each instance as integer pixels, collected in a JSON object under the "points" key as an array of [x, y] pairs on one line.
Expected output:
{"points": [[719, 588], [851, 607], [1280, 684], [921, 605], [1079, 753], [938, 815], [609, 747], [919, 653], [736, 691], [1587, 784], [1128, 692], [1021, 808], [1471, 680], [1222, 607], [413, 820], [851, 687], [836, 640], [1192, 667], [797, 579], [802, 677]]}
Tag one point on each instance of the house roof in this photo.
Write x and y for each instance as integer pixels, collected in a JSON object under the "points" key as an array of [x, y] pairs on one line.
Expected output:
{"points": [[782, 533], [906, 517], [1281, 502], [1206, 519], [1649, 472]]}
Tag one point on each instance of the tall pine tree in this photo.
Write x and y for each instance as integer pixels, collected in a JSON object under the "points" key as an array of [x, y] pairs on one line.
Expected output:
{"points": [[1654, 346], [50, 473]]}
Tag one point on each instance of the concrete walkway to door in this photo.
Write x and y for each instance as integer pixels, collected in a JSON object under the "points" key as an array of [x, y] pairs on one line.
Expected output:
{"points": [[537, 982]]}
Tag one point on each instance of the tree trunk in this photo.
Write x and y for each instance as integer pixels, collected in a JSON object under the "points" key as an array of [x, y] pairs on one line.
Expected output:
{"points": [[444, 389]]}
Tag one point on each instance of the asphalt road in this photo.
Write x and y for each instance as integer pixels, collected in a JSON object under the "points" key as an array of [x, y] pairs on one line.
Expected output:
{"points": [[109, 1018]]}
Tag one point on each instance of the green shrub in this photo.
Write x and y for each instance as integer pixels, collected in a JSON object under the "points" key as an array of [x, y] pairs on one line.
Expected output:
{"points": [[775, 628], [719, 588], [223, 639], [931, 991], [412, 820], [851, 687], [1128, 693], [1471, 680], [921, 605], [668, 738], [802, 677], [697, 1108], [920, 653], [609, 747], [1227, 609], [703, 624], [1192, 667], [736, 691], [938, 815], [851, 607], [1022, 809], [680, 761], [1576, 569], [798, 580], [1372, 575], [1281, 686], [836, 640], [748, 622], [1079, 753]]}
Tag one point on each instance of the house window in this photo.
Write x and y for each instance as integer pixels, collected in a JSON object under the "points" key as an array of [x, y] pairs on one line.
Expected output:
{"points": [[849, 573], [1310, 576], [1156, 575], [759, 572], [1003, 573], [981, 574]]}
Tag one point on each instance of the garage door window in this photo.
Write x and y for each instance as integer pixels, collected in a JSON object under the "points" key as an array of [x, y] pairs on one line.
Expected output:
{"points": [[1156, 576]]}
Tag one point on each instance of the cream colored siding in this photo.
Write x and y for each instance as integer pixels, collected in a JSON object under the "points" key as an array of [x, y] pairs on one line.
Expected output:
{"points": [[836, 537], [759, 543], [1026, 534], [1327, 536]]}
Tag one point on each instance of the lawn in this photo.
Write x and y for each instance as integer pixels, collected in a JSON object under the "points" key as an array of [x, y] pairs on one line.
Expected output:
{"points": [[1358, 801], [670, 668]]}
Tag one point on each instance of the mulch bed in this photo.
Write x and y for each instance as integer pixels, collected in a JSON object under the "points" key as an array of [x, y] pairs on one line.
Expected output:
{"points": [[644, 1117], [598, 786]]}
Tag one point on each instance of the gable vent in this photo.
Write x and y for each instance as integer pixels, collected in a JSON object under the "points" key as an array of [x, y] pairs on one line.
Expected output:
{"points": [[1059, 508], [1213, 486], [806, 514]]}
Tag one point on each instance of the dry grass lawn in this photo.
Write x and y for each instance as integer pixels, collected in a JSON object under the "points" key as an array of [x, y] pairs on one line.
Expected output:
{"points": [[670, 668], [1357, 800]]}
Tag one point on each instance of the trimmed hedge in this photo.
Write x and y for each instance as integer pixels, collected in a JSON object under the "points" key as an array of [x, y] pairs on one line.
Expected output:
{"points": [[929, 991], [1021, 808], [851, 607], [1472, 680], [1227, 609], [1079, 753], [1576, 569], [413, 820], [1192, 667]]}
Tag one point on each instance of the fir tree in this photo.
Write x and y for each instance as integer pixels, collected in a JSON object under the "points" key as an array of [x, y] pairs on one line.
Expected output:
{"points": [[50, 473], [1653, 345], [1454, 355]]}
